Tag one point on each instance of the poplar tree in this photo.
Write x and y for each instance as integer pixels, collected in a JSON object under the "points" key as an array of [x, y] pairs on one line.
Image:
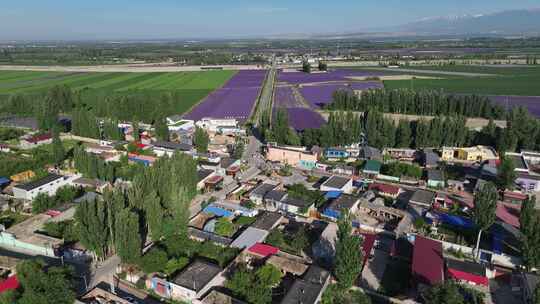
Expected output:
{"points": [[530, 233], [485, 206], [348, 263]]}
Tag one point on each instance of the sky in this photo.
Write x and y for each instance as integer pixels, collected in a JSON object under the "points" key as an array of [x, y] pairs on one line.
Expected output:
{"points": [[179, 19]]}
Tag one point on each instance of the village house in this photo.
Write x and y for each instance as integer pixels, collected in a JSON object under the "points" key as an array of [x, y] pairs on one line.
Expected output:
{"points": [[309, 288], [385, 190], [291, 205], [435, 179], [423, 198], [190, 284], [296, 157], [372, 168], [343, 202], [400, 154], [339, 184], [428, 262], [259, 192]]}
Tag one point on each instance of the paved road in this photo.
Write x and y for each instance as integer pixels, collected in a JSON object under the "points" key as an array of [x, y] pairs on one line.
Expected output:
{"points": [[267, 94], [104, 271]]}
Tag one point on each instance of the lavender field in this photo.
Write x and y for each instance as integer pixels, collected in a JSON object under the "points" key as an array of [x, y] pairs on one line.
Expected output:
{"points": [[304, 118], [331, 76], [532, 103], [284, 98], [234, 100], [320, 95]]}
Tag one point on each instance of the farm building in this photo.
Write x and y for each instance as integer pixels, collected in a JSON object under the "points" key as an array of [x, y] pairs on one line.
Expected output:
{"points": [[471, 154], [32, 141], [168, 148], [48, 185]]}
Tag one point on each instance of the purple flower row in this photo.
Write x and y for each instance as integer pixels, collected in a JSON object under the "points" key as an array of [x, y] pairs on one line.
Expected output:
{"points": [[284, 98], [304, 118], [234, 100], [336, 75], [320, 95]]}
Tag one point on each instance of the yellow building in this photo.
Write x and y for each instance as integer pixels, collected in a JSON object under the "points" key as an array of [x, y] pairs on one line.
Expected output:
{"points": [[470, 154]]}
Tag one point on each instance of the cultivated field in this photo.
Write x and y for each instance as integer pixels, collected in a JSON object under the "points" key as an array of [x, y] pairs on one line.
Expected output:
{"points": [[33, 82], [521, 81]]}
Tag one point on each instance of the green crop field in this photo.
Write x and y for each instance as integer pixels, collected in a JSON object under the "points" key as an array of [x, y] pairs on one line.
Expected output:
{"points": [[505, 81], [12, 82]]}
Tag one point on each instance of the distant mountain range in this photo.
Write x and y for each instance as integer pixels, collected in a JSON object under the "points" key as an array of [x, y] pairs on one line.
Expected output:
{"points": [[524, 22]]}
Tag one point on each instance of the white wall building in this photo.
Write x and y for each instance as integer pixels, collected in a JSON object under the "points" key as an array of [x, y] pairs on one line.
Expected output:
{"points": [[49, 185], [215, 124]]}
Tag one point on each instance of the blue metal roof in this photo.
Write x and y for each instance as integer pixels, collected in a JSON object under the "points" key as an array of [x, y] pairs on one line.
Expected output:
{"points": [[332, 194], [217, 211]]}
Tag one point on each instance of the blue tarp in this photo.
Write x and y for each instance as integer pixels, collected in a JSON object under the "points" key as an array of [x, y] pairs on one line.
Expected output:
{"points": [[331, 213], [455, 220], [217, 211], [497, 243], [4, 181], [332, 194]]}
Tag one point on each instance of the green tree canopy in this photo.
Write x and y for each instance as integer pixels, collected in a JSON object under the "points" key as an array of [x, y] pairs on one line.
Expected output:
{"points": [[201, 140], [44, 285], [446, 293], [506, 175], [485, 206]]}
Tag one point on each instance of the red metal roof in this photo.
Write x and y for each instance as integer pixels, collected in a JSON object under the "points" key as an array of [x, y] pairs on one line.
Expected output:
{"points": [[9, 284], [508, 214], [384, 188], [428, 264], [214, 179], [39, 138], [468, 277], [367, 245], [263, 250]]}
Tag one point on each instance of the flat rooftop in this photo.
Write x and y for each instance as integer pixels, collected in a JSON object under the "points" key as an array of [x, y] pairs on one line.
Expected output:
{"points": [[336, 182], [40, 182], [26, 232], [197, 275]]}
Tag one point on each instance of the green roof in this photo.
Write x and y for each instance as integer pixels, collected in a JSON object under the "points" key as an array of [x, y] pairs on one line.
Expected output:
{"points": [[372, 166]]}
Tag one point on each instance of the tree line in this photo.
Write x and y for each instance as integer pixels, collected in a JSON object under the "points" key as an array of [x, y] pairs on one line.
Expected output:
{"points": [[426, 102], [348, 127]]}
